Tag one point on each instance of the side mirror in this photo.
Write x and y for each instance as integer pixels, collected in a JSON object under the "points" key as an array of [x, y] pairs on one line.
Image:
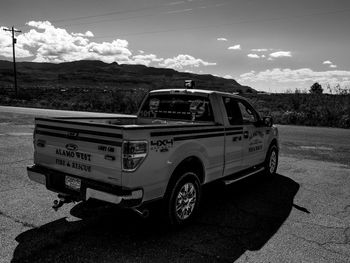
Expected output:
{"points": [[267, 121]]}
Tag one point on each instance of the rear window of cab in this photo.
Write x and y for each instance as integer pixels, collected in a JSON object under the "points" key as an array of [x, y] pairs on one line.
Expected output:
{"points": [[177, 107]]}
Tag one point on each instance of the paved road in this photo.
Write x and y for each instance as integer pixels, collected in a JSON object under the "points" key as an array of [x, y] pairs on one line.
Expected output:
{"points": [[300, 215]]}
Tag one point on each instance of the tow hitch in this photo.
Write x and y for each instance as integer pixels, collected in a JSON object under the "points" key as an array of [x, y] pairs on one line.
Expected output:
{"points": [[62, 199]]}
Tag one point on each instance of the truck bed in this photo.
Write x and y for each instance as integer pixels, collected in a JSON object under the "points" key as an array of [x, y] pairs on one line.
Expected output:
{"points": [[91, 147]]}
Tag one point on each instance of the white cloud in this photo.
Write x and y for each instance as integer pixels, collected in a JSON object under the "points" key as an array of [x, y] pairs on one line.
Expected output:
{"points": [[57, 45], [302, 75], [176, 3], [235, 47], [263, 56], [280, 54], [6, 46], [259, 49], [86, 34], [227, 76], [181, 61], [329, 63], [222, 39], [145, 59], [53, 44], [253, 56], [39, 24], [178, 11]]}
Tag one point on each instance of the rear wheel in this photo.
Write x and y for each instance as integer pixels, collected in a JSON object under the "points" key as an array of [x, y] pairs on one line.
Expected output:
{"points": [[183, 199], [271, 161]]}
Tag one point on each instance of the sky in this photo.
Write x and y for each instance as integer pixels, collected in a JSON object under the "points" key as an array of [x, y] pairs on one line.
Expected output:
{"points": [[270, 45]]}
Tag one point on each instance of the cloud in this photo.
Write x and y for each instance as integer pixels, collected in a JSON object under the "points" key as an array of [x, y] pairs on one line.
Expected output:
{"points": [[227, 76], [181, 61], [259, 49], [329, 63], [235, 47], [56, 45], [221, 39], [280, 54], [6, 46], [39, 24], [145, 59], [176, 3], [253, 56], [302, 75], [179, 11], [87, 34]]}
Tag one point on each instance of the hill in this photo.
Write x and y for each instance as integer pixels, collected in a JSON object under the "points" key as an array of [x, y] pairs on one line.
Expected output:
{"points": [[97, 74]]}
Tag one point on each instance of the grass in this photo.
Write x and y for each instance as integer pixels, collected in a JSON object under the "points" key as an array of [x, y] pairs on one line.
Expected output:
{"points": [[317, 143]]}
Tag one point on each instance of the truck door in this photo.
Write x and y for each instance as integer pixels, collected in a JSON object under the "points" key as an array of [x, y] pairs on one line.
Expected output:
{"points": [[233, 137], [253, 136]]}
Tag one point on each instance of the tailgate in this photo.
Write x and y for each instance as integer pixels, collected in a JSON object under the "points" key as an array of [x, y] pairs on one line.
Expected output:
{"points": [[79, 148]]}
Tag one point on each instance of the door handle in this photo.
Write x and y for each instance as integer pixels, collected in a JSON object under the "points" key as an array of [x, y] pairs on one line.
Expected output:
{"points": [[245, 134]]}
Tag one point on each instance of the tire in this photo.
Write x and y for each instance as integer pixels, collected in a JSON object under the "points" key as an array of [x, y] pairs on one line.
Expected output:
{"points": [[271, 161], [183, 199]]}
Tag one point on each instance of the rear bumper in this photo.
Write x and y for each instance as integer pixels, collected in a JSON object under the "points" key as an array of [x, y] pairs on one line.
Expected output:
{"points": [[55, 181]]}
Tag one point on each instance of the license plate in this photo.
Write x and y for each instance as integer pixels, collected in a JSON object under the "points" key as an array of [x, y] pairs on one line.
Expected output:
{"points": [[73, 183]]}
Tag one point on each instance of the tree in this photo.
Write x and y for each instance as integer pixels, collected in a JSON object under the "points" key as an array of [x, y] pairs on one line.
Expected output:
{"points": [[316, 88]]}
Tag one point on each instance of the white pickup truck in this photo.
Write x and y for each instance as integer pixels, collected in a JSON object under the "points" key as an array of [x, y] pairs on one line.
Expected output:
{"points": [[179, 140]]}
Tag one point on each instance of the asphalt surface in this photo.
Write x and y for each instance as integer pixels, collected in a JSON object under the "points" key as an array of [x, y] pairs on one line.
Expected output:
{"points": [[300, 215]]}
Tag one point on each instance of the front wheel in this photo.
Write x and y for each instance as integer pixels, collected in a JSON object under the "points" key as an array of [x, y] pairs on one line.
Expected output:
{"points": [[183, 200], [271, 161]]}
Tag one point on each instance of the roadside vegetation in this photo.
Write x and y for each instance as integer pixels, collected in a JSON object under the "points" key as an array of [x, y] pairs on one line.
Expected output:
{"points": [[313, 108]]}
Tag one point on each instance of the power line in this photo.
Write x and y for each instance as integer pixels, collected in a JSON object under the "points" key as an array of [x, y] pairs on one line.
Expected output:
{"points": [[14, 40], [231, 23], [149, 15], [122, 12], [105, 14]]}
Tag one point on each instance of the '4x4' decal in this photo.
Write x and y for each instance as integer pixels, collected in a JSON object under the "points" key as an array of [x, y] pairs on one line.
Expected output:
{"points": [[162, 145]]}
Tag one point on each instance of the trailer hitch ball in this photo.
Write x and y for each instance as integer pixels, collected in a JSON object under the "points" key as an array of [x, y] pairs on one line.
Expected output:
{"points": [[61, 201]]}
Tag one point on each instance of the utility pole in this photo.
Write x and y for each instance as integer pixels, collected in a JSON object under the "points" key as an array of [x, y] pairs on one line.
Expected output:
{"points": [[13, 30]]}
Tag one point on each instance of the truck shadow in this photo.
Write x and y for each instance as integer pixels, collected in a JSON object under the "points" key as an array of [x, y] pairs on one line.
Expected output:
{"points": [[233, 219]]}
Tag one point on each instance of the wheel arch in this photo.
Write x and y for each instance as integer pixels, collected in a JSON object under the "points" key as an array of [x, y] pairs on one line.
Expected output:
{"points": [[191, 163]]}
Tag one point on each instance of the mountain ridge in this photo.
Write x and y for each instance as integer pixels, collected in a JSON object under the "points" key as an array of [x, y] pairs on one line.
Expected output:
{"points": [[98, 74]]}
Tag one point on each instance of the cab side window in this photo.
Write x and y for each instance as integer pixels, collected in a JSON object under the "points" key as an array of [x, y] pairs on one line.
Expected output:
{"points": [[233, 111], [248, 113]]}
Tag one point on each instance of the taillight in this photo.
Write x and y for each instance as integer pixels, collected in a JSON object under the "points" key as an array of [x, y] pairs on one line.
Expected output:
{"points": [[134, 152]]}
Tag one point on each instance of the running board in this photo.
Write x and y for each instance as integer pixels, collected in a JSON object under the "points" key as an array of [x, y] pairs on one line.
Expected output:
{"points": [[227, 182]]}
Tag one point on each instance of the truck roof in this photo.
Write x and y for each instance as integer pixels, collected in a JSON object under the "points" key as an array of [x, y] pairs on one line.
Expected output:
{"points": [[194, 91]]}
